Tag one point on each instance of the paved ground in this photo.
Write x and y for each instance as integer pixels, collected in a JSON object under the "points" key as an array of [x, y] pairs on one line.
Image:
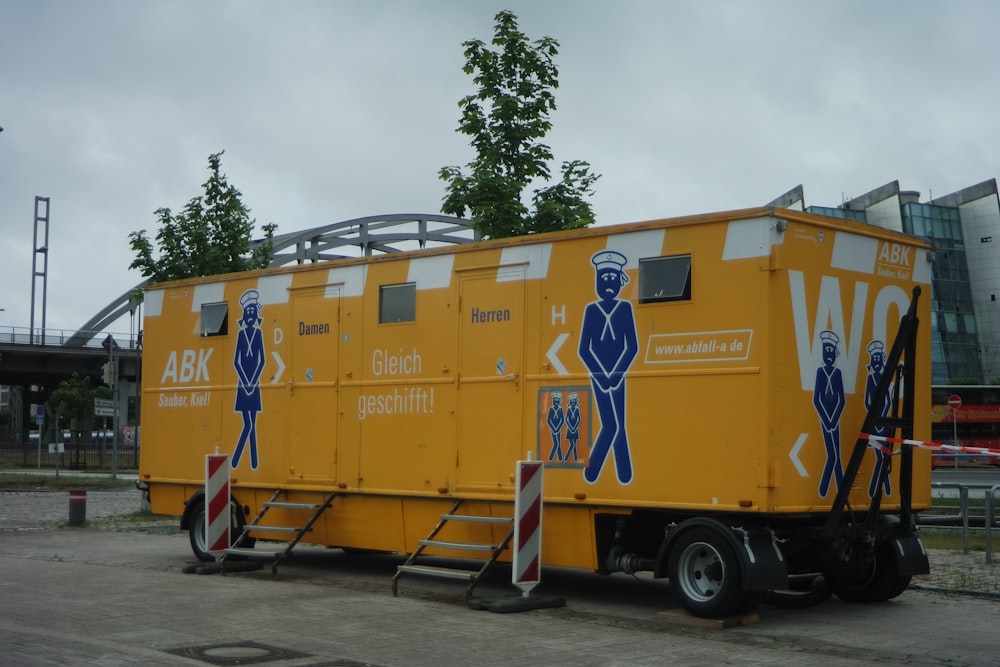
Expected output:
{"points": [[950, 570], [113, 594]]}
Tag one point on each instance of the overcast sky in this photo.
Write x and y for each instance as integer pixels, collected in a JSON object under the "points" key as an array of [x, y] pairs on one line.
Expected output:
{"points": [[334, 110]]}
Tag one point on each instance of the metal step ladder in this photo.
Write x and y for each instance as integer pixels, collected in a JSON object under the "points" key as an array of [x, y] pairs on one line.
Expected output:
{"points": [[472, 576], [255, 526]]}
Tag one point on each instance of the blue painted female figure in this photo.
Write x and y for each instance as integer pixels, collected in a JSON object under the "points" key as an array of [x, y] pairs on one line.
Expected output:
{"points": [[249, 363]]}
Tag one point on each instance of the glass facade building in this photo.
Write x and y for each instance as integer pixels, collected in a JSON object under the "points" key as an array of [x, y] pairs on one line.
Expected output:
{"points": [[954, 339], [965, 283]]}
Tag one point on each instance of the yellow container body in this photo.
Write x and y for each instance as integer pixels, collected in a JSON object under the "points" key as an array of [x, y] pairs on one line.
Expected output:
{"points": [[710, 364]]}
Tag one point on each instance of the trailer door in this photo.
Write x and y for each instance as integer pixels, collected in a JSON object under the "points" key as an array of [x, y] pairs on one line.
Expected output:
{"points": [[491, 363], [312, 416]]}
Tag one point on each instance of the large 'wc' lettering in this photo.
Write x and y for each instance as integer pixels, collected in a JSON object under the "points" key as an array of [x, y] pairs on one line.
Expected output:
{"points": [[889, 305]]}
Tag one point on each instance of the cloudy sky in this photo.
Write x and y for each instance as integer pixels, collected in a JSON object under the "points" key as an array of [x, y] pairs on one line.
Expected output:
{"points": [[330, 110]]}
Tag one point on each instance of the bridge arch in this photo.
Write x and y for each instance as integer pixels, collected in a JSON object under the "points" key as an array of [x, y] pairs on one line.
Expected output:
{"points": [[368, 235]]}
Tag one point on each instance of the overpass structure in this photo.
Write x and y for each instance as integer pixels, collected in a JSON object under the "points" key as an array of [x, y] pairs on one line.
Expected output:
{"points": [[42, 358], [34, 362]]}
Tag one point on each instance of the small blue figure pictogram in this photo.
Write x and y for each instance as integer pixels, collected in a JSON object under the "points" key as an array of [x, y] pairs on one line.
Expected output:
{"points": [[573, 421], [556, 419], [248, 360]]}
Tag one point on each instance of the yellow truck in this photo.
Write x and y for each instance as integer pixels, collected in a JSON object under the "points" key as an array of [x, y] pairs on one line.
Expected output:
{"points": [[720, 399]]}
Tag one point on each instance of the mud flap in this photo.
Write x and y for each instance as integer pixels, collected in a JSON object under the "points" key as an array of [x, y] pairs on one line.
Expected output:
{"points": [[911, 557], [764, 567]]}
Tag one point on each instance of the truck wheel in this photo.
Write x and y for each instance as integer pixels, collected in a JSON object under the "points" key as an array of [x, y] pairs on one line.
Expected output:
{"points": [[705, 575], [876, 581], [196, 531]]}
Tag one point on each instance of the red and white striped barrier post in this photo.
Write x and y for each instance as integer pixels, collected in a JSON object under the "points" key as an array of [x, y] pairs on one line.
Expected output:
{"points": [[217, 519], [526, 571]]}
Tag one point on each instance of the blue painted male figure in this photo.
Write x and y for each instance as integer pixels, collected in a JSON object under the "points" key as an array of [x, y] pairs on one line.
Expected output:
{"points": [[876, 366], [828, 399], [608, 344]]}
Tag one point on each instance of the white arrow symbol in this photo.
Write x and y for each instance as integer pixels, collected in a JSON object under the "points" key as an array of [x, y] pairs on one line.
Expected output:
{"points": [[551, 354], [281, 366], [794, 455]]}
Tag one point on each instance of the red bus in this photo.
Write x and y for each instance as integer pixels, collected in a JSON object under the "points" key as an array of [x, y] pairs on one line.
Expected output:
{"points": [[973, 423]]}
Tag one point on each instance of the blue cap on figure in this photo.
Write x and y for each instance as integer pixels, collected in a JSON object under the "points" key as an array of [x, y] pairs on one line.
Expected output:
{"points": [[610, 259]]}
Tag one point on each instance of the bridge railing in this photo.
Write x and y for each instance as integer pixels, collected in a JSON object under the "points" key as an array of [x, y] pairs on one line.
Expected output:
{"points": [[61, 337]]}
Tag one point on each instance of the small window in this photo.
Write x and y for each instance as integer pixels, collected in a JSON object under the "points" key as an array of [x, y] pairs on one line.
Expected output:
{"points": [[397, 303], [214, 319], [665, 279]]}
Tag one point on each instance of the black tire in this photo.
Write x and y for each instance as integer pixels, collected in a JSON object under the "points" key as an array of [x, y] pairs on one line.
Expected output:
{"points": [[196, 531], [705, 575], [875, 581], [902, 583]]}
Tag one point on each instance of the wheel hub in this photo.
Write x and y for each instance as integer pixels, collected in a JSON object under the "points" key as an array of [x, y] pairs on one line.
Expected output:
{"points": [[702, 571]]}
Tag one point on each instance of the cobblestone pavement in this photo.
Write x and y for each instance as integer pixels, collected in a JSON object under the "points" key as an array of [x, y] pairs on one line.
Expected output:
{"points": [[951, 571], [954, 571], [32, 509]]}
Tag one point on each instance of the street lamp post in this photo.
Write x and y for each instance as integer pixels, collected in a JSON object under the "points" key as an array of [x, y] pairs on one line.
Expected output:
{"points": [[954, 433], [135, 312]]}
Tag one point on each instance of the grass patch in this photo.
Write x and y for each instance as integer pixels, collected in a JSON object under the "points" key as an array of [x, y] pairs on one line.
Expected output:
{"points": [[138, 521], [941, 538], [143, 518], [19, 482], [973, 502]]}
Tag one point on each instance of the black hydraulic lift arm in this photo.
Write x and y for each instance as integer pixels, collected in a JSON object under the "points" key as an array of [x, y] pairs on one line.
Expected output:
{"points": [[903, 347]]}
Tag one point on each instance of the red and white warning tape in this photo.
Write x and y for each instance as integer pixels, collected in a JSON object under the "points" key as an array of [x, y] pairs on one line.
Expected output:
{"points": [[876, 442]]}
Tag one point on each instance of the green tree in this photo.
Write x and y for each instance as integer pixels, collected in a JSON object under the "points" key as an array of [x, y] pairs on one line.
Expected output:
{"points": [[73, 399], [506, 117], [211, 235], [76, 398]]}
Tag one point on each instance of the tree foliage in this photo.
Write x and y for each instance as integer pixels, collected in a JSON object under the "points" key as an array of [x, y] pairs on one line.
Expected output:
{"points": [[74, 400], [506, 117], [212, 235]]}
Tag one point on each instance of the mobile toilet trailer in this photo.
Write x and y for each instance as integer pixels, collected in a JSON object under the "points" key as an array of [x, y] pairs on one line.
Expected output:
{"points": [[700, 390]]}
